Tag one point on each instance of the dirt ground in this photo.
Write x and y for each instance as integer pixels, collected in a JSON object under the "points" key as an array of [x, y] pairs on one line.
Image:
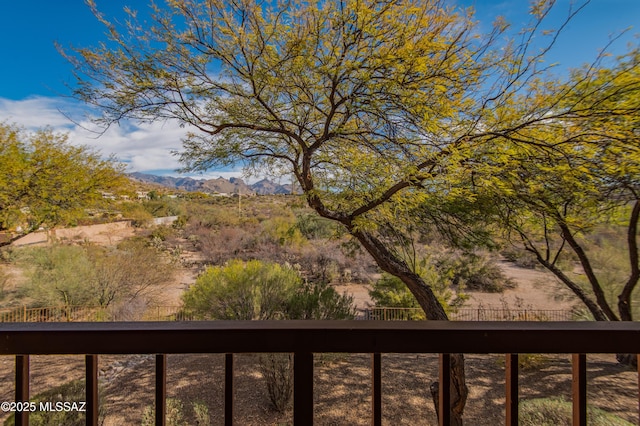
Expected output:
{"points": [[342, 388]]}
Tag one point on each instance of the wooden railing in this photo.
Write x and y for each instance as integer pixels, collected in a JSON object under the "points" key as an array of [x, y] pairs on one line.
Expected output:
{"points": [[304, 338]]}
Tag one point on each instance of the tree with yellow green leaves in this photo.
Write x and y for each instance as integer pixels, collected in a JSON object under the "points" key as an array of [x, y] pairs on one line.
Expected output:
{"points": [[374, 106], [44, 180], [557, 183]]}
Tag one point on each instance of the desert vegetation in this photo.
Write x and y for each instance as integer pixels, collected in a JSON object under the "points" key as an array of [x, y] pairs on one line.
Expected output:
{"points": [[410, 130]]}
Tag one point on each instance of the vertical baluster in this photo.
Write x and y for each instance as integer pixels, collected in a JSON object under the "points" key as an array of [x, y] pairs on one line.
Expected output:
{"points": [[579, 388], [91, 374], [376, 389], [511, 417], [444, 397], [228, 389], [303, 388], [161, 389], [22, 388]]}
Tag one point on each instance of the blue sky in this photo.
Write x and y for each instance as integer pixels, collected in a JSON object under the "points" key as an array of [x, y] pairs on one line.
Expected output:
{"points": [[33, 76]]}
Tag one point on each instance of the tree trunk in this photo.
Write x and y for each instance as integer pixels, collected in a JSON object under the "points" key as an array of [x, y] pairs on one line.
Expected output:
{"points": [[433, 310]]}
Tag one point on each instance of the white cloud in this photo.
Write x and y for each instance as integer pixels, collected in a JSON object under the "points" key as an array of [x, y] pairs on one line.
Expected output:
{"points": [[143, 147], [35, 113]]}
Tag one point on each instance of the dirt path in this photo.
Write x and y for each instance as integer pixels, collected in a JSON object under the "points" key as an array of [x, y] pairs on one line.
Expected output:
{"points": [[535, 289]]}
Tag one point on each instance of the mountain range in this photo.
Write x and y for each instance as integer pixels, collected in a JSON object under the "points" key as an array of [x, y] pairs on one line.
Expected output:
{"points": [[218, 185]]}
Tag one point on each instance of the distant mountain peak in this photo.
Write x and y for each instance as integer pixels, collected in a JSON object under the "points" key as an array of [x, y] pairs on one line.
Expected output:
{"points": [[232, 185]]}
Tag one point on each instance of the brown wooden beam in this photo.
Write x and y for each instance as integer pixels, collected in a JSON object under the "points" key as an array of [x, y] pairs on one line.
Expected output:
{"points": [[579, 389], [161, 389], [511, 381], [22, 388], [91, 383], [444, 397], [376, 389], [320, 336], [228, 390], [303, 389]]}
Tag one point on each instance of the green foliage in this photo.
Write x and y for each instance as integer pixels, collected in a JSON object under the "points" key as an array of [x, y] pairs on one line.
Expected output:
{"points": [[243, 291], [389, 291], [201, 413], [529, 362], [314, 227], [162, 207], [283, 231], [610, 260], [68, 392], [59, 275], [4, 279], [319, 301], [46, 180], [136, 213], [93, 276], [474, 271], [174, 414], [558, 412], [262, 290]]}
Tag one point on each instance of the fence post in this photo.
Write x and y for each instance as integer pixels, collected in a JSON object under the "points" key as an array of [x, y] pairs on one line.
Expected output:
{"points": [[22, 388], [303, 388]]}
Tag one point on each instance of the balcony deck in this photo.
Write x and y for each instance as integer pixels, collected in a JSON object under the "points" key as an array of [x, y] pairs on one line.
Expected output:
{"points": [[304, 338]]}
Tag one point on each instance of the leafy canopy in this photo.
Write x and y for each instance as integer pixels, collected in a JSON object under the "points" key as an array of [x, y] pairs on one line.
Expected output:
{"points": [[46, 180]]}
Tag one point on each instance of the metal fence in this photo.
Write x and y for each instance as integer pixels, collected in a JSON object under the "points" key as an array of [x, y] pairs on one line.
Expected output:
{"points": [[91, 314], [175, 313], [478, 314]]}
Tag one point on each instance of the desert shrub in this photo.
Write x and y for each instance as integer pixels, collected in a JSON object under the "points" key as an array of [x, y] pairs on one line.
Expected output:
{"points": [[138, 215], [283, 231], [243, 291], [558, 412], [474, 271], [132, 275], [520, 257], [225, 243], [389, 291], [320, 261], [58, 275], [529, 362], [162, 233], [68, 392], [4, 280], [261, 290], [174, 414], [212, 213], [201, 413], [314, 227], [163, 207], [319, 301], [277, 370]]}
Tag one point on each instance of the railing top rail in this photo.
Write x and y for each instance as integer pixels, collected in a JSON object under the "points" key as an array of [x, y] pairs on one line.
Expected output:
{"points": [[319, 336]]}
